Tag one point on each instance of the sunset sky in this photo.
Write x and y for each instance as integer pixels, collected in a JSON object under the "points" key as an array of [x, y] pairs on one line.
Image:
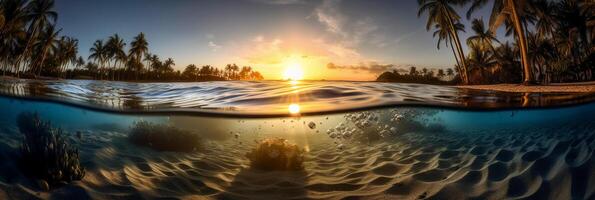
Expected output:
{"points": [[330, 39]]}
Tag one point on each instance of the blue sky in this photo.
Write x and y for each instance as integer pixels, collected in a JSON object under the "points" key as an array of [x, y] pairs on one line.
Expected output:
{"points": [[365, 35]]}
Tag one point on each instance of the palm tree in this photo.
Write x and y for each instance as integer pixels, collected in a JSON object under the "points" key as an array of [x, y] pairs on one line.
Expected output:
{"points": [[245, 72], [479, 58], [575, 23], [68, 50], [41, 15], [155, 63], [115, 49], [450, 72], [512, 10], [483, 38], [190, 72], [13, 31], [47, 43], [147, 59], [508, 60], [99, 55], [443, 34], [441, 12], [139, 47], [541, 51], [545, 14], [168, 65], [80, 62]]}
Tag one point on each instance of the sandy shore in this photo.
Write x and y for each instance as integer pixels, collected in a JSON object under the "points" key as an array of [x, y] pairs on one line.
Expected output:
{"points": [[532, 164], [584, 87]]}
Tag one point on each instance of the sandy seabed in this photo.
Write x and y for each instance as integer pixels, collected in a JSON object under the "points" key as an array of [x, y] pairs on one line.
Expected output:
{"points": [[506, 164]]}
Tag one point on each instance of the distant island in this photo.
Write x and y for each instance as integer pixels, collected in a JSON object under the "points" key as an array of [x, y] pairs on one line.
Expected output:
{"points": [[425, 76]]}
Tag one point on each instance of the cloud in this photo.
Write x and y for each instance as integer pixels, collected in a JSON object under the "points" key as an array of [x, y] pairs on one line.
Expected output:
{"points": [[213, 46], [370, 67], [263, 51], [329, 15], [259, 38], [349, 32]]}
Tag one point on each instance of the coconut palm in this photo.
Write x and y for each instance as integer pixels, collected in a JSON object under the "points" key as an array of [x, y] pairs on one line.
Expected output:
{"points": [[139, 47], [541, 50], [443, 35], [512, 10], [80, 62], [155, 63], [47, 44], [99, 54], [545, 14], [147, 59], [450, 72], [115, 49], [40, 15], [190, 72], [13, 32], [482, 38], [168, 65], [441, 12], [508, 60], [479, 58], [67, 54], [575, 23]]}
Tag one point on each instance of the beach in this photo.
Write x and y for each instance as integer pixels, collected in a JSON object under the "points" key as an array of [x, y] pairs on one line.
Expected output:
{"points": [[583, 87]]}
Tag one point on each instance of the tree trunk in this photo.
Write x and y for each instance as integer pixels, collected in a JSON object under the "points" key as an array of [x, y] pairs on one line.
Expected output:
{"points": [[454, 52], [455, 36], [518, 27], [41, 62]]}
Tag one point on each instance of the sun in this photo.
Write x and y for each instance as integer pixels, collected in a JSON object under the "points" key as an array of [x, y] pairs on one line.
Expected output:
{"points": [[293, 72]]}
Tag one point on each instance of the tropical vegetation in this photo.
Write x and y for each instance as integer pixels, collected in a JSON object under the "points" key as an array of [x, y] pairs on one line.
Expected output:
{"points": [[31, 46], [46, 154], [425, 76], [552, 41]]}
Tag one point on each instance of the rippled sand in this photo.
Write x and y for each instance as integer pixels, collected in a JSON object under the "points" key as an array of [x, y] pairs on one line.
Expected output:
{"points": [[532, 163]]}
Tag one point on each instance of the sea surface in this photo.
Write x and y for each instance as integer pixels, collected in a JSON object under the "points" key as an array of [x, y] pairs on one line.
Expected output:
{"points": [[359, 140]]}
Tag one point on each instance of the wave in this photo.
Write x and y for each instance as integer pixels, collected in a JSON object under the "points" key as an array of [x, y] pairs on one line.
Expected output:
{"points": [[272, 98]]}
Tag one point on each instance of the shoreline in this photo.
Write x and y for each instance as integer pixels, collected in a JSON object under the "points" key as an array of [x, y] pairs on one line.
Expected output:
{"points": [[578, 87]]}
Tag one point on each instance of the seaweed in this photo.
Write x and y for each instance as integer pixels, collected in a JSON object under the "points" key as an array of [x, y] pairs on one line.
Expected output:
{"points": [[276, 154], [45, 152], [163, 137]]}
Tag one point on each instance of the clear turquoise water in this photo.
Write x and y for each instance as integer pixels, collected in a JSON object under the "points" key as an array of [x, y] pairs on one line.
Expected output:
{"points": [[391, 152]]}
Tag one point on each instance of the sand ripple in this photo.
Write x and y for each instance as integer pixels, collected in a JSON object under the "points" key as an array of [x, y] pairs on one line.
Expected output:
{"points": [[532, 164]]}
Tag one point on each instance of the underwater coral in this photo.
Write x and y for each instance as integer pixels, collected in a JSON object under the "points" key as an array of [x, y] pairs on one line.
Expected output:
{"points": [[46, 154], [276, 154]]}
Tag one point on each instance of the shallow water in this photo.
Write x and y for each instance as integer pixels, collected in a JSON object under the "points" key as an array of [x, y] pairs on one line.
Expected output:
{"points": [[388, 153], [359, 140], [272, 98]]}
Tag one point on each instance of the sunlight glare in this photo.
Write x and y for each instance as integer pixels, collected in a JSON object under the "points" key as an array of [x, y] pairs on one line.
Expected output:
{"points": [[293, 72], [294, 109]]}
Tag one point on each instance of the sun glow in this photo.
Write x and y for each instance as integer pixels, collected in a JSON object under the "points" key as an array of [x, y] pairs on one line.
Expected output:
{"points": [[293, 72], [294, 109]]}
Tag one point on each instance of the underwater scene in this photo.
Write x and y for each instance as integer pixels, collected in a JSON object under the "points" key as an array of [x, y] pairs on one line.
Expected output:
{"points": [[297, 99], [61, 150]]}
